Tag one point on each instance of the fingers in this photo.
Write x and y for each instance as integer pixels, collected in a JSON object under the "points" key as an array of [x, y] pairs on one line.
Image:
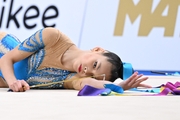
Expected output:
{"points": [[135, 81], [26, 86], [138, 82], [19, 86], [133, 76]]}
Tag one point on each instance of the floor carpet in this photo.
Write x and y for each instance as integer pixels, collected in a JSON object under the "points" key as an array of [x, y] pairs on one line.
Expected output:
{"points": [[66, 105]]}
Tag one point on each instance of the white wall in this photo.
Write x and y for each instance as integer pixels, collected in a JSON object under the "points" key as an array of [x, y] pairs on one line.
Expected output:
{"points": [[149, 36]]}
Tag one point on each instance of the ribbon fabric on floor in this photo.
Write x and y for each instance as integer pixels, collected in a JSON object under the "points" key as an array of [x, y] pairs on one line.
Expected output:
{"points": [[114, 90]]}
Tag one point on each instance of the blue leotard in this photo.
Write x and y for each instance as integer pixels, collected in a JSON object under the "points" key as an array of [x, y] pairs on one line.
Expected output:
{"points": [[27, 69]]}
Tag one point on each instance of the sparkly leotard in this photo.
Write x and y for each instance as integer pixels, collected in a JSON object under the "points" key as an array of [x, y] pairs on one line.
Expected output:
{"points": [[47, 47]]}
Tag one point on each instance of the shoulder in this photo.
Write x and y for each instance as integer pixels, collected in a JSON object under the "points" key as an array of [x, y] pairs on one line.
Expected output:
{"points": [[50, 30], [50, 33], [53, 36], [50, 36], [2, 35]]}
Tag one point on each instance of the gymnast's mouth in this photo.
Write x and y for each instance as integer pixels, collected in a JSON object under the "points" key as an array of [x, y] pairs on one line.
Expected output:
{"points": [[80, 68]]}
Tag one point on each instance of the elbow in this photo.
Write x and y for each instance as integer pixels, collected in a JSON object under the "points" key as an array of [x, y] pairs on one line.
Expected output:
{"points": [[79, 84], [5, 60]]}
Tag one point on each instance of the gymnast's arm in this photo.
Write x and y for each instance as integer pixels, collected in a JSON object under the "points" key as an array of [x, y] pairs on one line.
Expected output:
{"points": [[49, 35], [133, 81], [78, 83]]}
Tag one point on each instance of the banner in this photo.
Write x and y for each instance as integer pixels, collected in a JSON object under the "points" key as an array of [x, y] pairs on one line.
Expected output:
{"points": [[145, 33], [22, 18]]}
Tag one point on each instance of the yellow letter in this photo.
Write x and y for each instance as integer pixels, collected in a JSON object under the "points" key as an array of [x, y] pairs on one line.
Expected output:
{"points": [[149, 20]]}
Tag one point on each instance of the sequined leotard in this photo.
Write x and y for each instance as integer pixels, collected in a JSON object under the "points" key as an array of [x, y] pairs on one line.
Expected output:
{"points": [[44, 65]]}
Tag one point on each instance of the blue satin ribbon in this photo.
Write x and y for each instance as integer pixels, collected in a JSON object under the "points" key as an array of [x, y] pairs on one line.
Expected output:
{"points": [[114, 88]]}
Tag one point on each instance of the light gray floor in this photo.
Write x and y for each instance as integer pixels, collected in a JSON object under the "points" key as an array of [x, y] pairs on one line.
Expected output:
{"points": [[65, 104]]}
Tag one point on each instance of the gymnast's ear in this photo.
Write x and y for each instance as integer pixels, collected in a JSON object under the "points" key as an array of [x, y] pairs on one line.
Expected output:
{"points": [[97, 49]]}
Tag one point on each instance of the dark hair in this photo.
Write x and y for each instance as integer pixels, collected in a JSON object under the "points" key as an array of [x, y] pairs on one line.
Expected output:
{"points": [[117, 65]]}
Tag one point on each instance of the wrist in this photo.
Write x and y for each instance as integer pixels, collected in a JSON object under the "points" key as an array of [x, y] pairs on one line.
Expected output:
{"points": [[10, 81]]}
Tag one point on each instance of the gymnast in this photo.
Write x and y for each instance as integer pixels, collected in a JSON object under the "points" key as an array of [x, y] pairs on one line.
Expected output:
{"points": [[49, 56]]}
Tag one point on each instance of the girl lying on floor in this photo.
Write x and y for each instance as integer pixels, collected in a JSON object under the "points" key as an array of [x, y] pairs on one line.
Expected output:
{"points": [[49, 56]]}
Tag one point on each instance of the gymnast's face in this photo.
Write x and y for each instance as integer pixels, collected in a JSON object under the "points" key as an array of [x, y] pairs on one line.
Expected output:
{"points": [[94, 64]]}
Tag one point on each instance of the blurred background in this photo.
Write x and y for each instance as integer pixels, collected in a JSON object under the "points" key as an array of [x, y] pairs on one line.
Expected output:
{"points": [[145, 33]]}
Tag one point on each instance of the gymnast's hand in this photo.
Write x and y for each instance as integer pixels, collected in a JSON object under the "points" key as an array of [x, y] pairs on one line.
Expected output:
{"points": [[134, 81], [19, 86]]}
